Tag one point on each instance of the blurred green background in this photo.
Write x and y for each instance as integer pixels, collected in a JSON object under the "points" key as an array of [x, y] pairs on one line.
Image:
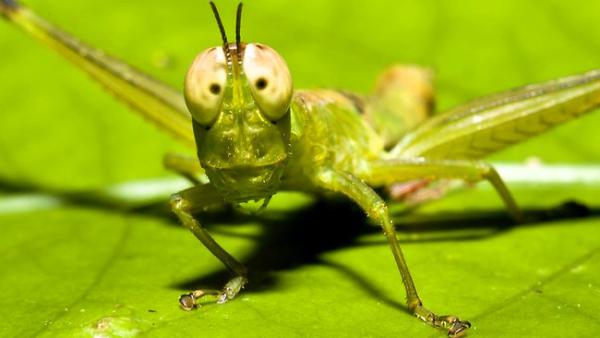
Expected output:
{"points": [[81, 270]]}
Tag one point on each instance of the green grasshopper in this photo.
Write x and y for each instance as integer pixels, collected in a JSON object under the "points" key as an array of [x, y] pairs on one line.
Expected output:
{"points": [[256, 136]]}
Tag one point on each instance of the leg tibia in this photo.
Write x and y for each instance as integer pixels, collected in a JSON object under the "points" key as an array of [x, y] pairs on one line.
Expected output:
{"points": [[377, 210], [184, 204]]}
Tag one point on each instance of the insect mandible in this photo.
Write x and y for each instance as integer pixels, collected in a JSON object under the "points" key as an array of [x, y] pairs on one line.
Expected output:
{"points": [[256, 136]]}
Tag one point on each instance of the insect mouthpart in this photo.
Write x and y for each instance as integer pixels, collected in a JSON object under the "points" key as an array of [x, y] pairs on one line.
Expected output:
{"points": [[242, 184]]}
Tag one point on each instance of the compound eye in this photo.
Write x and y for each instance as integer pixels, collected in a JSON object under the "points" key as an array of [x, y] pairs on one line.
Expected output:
{"points": [[270, 80], [204, 86]]}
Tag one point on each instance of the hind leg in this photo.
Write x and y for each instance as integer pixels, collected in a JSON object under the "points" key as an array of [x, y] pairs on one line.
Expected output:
{"points": [[403, 99]]}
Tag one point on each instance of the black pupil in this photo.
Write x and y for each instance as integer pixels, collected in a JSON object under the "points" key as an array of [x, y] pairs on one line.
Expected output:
{"points": [[261, 83], [215, 88]]}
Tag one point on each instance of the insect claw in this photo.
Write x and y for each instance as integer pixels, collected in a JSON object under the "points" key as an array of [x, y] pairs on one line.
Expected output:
{"points": [[458, 328], [222, 298], [190, 301], [187, 301]]}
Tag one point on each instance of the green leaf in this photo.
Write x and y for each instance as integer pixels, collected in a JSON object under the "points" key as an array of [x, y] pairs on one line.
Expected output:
{"points": [[84, 269]]}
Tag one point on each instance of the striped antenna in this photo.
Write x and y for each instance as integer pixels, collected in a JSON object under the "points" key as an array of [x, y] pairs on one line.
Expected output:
{"points": [[222, 29], [238, 26]]}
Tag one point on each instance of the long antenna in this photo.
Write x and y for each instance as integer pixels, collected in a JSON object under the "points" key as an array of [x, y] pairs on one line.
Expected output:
{"points": [[222, 29], [238, 26]]}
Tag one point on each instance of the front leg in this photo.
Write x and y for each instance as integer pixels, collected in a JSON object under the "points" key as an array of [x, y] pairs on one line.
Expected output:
{"points": [[376, 209], [184, 204]]}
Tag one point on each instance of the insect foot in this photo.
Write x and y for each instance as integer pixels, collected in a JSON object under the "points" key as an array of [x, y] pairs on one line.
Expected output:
{"points": [[190, 301], [455, 326]]}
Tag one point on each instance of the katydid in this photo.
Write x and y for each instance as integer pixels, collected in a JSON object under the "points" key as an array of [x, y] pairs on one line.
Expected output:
{"points": [[255, 135]]}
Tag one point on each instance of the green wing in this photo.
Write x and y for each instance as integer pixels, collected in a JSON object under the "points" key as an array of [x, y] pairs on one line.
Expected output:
{"points": [[490, 124], [160, 103]]}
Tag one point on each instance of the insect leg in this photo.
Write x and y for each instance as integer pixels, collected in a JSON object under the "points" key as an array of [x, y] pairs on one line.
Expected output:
{"points": [[377, 210], [402, 100], [159, 102], [384, 172], [184, 204], [184, 165]]}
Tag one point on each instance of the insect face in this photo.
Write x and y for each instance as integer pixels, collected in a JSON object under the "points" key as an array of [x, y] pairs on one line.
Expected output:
{"points": [[239, 98]]}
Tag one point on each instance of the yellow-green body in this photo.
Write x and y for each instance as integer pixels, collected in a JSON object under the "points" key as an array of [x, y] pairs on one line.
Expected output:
{"points": [[327, 130]]}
